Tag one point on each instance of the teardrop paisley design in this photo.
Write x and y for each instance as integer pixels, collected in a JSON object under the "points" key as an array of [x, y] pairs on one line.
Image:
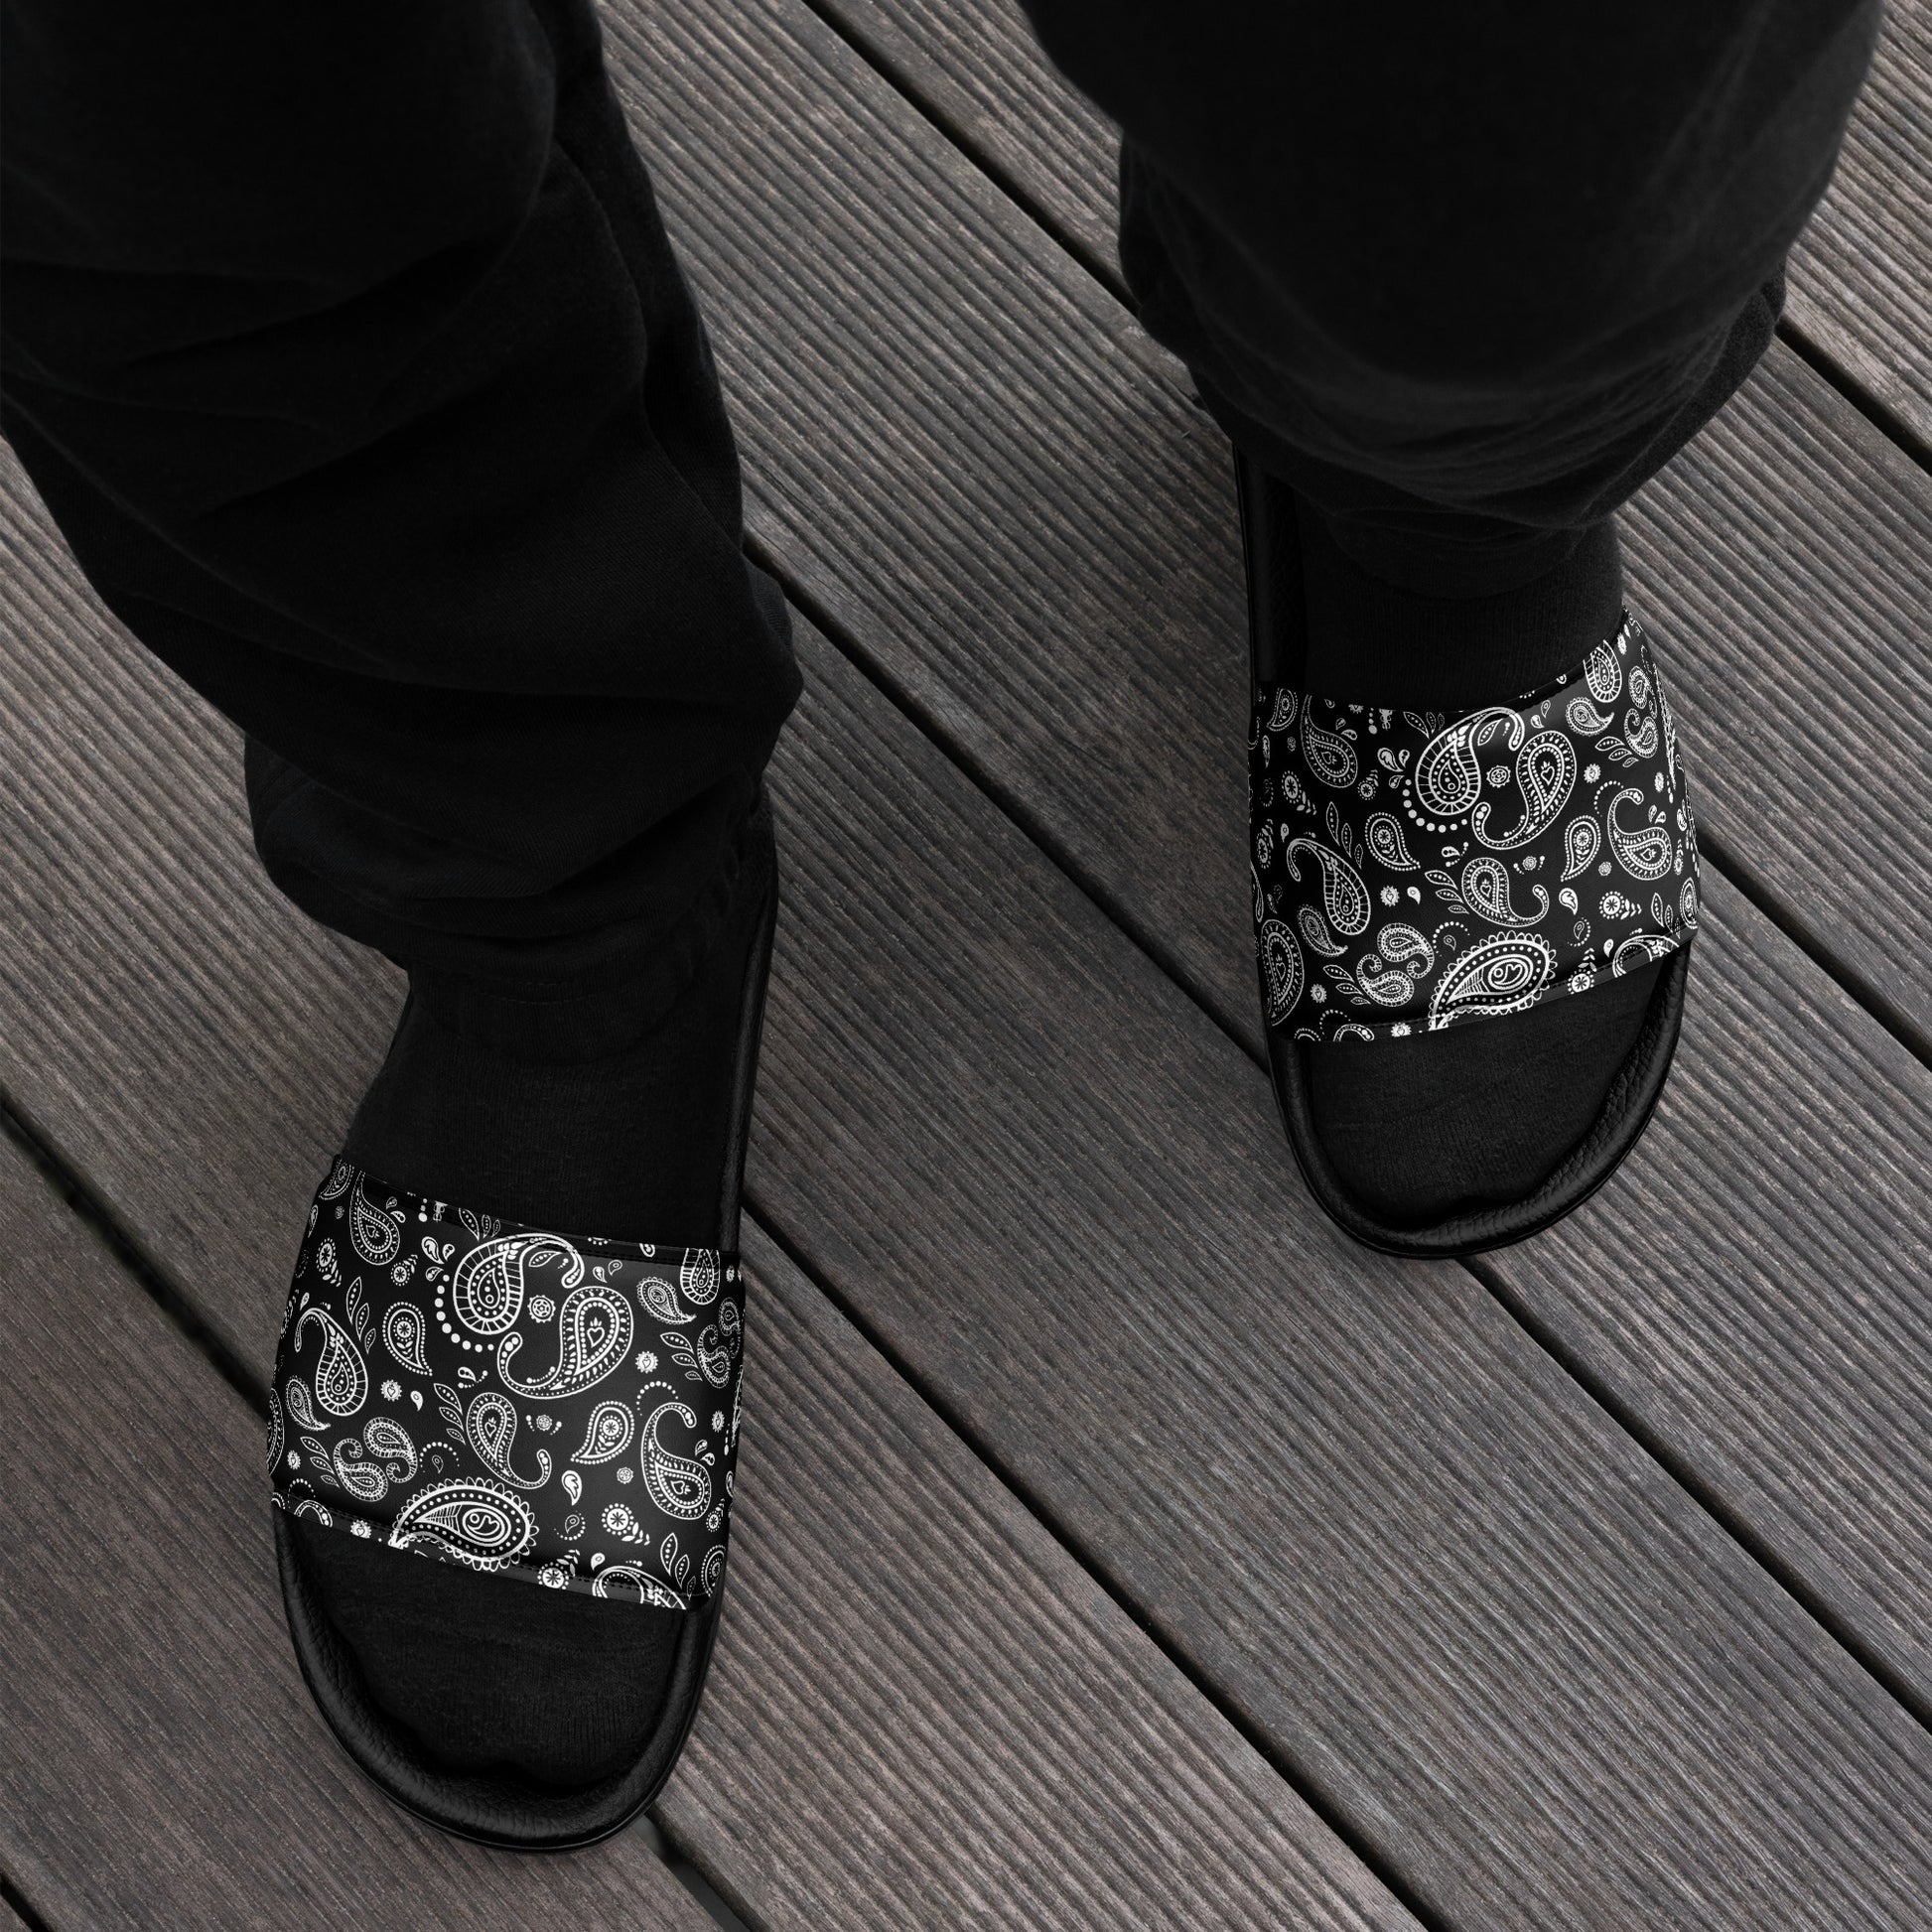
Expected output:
{"points": [[678, 1484], [1448, 773], [403, 1335], [1546, 774], [1485, 890], [1500, 975], [486, 1289], [1383, 837], [1281, 970], [547, 1476], [1505, 856], [472, 1523], [699, 1280], [341, 1377], [593, 1337], [608, 1434], [1328, 755], [1344, 895], [491, 1428], [1580, 840], [302, 1408], [1645, 851], [375, 1237]]}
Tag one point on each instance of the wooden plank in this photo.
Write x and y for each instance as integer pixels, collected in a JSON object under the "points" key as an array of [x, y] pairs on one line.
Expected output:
{"points": [[918, 1697], [1386, 1526], [1861, 274], [1757, 1288], [901, 1640], [964, 451], [161, 1763]]}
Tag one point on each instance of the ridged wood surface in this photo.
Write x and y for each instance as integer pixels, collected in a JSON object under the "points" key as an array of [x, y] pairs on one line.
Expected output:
{"points": [[963, 449], [922, 1710], [1395, 1536], [161, 1764]]}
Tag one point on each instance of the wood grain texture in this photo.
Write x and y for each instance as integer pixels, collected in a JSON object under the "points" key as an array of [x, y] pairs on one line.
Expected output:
{"points": [[962, 447], [161, 1764], [976, 65], [1381, 1521], [1862, 273], [922, 1711], [1757, 1285], [903, 1647]]}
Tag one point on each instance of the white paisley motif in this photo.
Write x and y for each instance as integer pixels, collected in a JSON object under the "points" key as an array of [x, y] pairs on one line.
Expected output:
{"points": [[1603, 674], [606, 1435], [474, 1522], [698, 1278], [1485, 889], [1281, 970], [1449, 774], [342, 1378], [1580, 840], [1344, 895], [375, 1237], [492, 1427], [488, 1288], [403, 1335], [1645, 852], [1330, 756], [1401, 959], [1499, 975], [594, 1329], [680, 1487], [1546, 773], [1383, 837]]}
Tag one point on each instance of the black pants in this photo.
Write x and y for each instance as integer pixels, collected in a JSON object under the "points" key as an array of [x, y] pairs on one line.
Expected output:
{"points": [[350, 355]]}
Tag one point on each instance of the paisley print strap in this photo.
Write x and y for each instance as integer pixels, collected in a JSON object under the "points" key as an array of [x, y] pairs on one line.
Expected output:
{"points": [[1413, 870], [556, 1408]]}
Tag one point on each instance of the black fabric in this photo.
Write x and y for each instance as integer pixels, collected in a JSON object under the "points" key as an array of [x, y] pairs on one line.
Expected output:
{"points": [[562, 1689], [351, 357], [1444, 1123], [1465, 277], [630, 1144]]}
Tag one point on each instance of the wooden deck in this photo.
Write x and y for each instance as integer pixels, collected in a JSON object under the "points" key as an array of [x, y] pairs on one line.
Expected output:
{"points": [[1118, 1544]]}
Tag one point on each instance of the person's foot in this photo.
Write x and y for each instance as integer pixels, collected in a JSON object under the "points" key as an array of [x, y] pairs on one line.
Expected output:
{"points": [[505, 1415], [1472, 910]]}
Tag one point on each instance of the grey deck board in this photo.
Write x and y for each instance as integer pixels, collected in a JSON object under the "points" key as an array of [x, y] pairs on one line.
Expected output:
{"points": [[922, 1710], [161, 1764], [901, 1647], [1388, 1528], [967, 454], [1756, 1288], [1860, 275]]}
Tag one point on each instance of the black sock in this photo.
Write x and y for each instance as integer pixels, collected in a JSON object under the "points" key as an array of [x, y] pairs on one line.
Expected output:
{"points": [[490, 1673], [630, 1146], [1477, 1116]]}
